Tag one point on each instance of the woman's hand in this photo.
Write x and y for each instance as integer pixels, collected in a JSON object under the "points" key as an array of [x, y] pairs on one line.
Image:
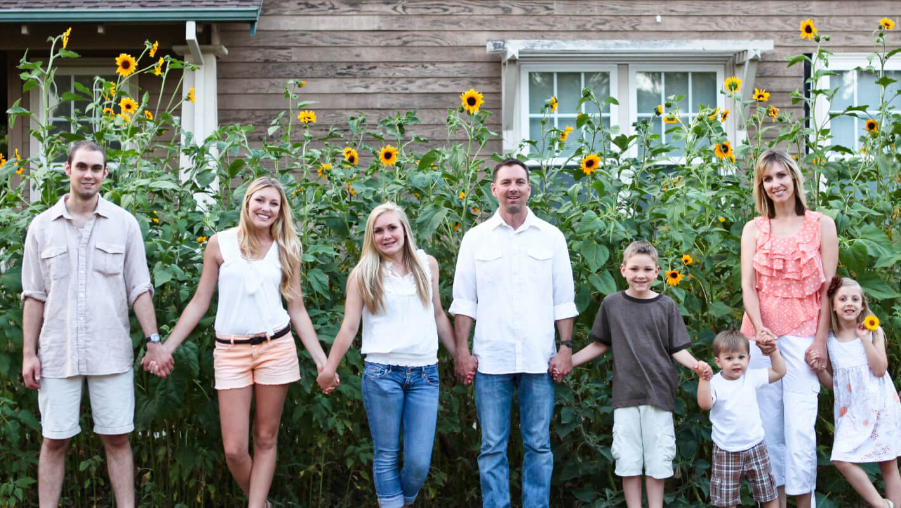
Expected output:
{"points": [[816, 356], [328, 380]]}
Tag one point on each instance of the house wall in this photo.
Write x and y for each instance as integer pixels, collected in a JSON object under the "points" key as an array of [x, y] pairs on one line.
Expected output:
{"points": [[382, 56]]}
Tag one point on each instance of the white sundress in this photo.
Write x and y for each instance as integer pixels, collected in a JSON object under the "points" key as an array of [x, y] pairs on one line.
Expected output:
{"points": [[867, 409]]}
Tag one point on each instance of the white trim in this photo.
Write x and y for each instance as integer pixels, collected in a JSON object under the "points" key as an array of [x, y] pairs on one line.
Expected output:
{"points": [[200, 118], [724, 49]]}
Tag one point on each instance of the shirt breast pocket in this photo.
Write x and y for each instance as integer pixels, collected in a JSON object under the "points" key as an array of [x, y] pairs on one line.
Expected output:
{"points": [[488, 264], [109, 258], [539, 261], [56, 260]]}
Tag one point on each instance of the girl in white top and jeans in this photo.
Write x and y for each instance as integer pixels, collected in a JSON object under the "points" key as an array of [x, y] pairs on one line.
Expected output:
{"points": [[394, 288], [254, 265]]}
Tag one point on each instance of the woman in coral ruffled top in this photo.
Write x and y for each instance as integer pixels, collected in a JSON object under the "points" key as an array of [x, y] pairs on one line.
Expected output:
{"points": [[787, 255]]}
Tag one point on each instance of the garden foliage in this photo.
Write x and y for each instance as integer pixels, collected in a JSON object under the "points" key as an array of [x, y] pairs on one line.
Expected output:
{"points": [[612, 189]]}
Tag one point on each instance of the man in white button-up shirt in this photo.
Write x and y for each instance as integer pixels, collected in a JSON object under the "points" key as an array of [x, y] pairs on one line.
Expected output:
{"points": [[515, 279]]}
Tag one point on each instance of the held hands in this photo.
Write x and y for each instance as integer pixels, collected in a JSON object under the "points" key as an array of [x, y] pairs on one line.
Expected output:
{"points": [[816, 356], [561, 364], [703, 370], [31, 371], [465, 366], [328, 380], [766, 341], [158, 360]]}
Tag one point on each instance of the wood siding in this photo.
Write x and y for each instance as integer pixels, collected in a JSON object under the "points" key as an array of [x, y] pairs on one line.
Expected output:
{"points": [[382, 56]]}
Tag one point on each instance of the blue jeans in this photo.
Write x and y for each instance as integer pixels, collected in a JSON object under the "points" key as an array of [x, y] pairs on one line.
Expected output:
{"points": [[494, 399], [397, 397]]}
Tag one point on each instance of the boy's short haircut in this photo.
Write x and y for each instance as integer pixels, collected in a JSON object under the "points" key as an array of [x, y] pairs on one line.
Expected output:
{"points": [[640, 247], [730, 340], [86, 145]]}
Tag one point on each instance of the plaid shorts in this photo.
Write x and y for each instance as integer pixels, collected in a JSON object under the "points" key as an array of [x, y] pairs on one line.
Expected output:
{"points": [[730, 467]]}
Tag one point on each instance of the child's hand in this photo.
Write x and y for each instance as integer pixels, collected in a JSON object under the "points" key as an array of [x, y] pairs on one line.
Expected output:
{"points": [[767, 348], [863, 334], [703, 370]]}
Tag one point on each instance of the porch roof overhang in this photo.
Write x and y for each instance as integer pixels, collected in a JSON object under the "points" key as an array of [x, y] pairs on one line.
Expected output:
{"points": [[600, 50]]}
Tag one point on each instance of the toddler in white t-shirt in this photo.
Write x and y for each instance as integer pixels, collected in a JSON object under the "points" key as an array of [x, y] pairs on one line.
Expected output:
{"points": [[738, 448]]}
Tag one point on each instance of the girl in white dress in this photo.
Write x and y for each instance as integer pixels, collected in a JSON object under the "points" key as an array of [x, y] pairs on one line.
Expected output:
{"points": [[867, 408]]}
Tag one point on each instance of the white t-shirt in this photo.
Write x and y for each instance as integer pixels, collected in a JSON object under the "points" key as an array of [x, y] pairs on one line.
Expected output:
{"points": [[735, 416]]}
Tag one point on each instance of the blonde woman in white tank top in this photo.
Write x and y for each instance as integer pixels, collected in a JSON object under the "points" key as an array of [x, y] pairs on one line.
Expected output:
{"points": [[394, 289], [255, 266]]}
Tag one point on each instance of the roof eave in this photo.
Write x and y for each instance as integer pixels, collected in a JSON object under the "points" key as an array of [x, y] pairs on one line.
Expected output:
{"points": [[249, 15]]}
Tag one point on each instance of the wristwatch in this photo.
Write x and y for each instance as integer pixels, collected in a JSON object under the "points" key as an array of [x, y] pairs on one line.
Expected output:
{"points": [[567, 343], [154, 338]]}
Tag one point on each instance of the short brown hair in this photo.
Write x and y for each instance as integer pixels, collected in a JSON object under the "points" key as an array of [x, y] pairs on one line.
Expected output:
{"points": [[86, 145], [509, 162], [730, 340], [640, 247]]}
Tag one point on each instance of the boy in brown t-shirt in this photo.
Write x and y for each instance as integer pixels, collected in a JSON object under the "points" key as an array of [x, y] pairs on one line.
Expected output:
{"points": [[647, 333]]}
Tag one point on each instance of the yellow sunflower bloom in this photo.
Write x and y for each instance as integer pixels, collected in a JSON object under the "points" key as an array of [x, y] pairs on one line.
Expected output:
{"points": [[715, 114], [725, 115], [871, 323], [475, 210], [307, 116], [156, 46], [686, 260], [201, 239], [724, 151], [191, 95], [462, 195], [2, 160], [565, 134], [761, 95], [733, 84], [772, 112], [125, 65], [472, 101], [885, 23], [350, 189], [671, 118], [18, 157], [68, 32], [388, 155], [158, 69], [807, 29], [125, 117], [722, 219], [108, 113], [303, 84], [658, 110], [590, 163], [148, 115], [872, 126], [111, 88], [128, 106], [350, 155], [673, 277], [553, 104]]}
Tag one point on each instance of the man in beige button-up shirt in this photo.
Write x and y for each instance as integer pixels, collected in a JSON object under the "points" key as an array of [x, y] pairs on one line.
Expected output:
{"points": [[84, 265]]}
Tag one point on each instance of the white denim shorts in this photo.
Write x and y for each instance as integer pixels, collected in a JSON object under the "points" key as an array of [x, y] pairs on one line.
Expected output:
{"points": [[643, 437], [112, 404]]}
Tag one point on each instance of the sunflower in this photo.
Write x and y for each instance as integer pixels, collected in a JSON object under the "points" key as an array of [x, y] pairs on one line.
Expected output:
{"points": [[761, 95], [671, 118], [125, 64], [156, 46], [732, 84], [191, 95], [871, 322], [321, 171], [350, 155], [158, 69], [68, 32], [475, 210], [724, 151], [872, 126], [472, 101], [125, 117], [350, 189], [885, 23], [658, 110], [772, 112], [303, 84], [565, 133], [2, 160], [673, 277], [553, 104], [111, 88], [307, 116], [725, 115], [715, 114], [807, 29], [108, 112], [722, 219], [128, 106], [201, 239], [590, 163], [686, 260], [148, 115], [388, 155]]}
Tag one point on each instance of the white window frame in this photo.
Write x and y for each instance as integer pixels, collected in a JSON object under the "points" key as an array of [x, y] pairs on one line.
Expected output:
{"points": [[844, 62], [523, 105], [719, 69]]}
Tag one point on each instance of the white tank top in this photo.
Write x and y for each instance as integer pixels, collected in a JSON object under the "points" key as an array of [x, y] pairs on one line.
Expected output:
{"points": [[405, 333], [249, 299]]}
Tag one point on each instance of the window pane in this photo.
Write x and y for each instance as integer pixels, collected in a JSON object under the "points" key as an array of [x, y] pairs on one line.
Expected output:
{"points": [[867, 90], [573, 140], [569, 91], [599, 82], [535, 129], [541, 88], [844, 81], [649, 86], [894, 88], [703, 90], [676, 83], [843, 132]]}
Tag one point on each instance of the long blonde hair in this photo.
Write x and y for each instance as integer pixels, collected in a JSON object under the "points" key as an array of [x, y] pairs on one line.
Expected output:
{"points": [[764, 162], [282, 231], [368, 271], [835, 284]]}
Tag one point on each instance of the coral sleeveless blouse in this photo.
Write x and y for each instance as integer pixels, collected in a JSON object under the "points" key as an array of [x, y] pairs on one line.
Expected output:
{"points": [[789, 277]]}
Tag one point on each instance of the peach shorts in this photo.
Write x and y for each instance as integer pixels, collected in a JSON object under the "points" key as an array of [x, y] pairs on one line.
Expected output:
{"points": [[270, 363]]}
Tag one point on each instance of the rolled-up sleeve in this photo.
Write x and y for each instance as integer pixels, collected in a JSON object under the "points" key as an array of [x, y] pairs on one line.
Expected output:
{"points": [[32, 277], [137, 275], [564, 287], [465, 295]]}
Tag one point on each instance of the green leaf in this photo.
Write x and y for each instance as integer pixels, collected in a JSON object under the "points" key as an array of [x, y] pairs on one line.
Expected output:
{"points": [[65, 53], [603, 283], [719, 309], [885, 81], [876, 287], [595, 254], [426, 161]]}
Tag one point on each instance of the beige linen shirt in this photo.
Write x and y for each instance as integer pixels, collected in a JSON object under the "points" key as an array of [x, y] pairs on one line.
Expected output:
{"points": [[87, 280]]}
